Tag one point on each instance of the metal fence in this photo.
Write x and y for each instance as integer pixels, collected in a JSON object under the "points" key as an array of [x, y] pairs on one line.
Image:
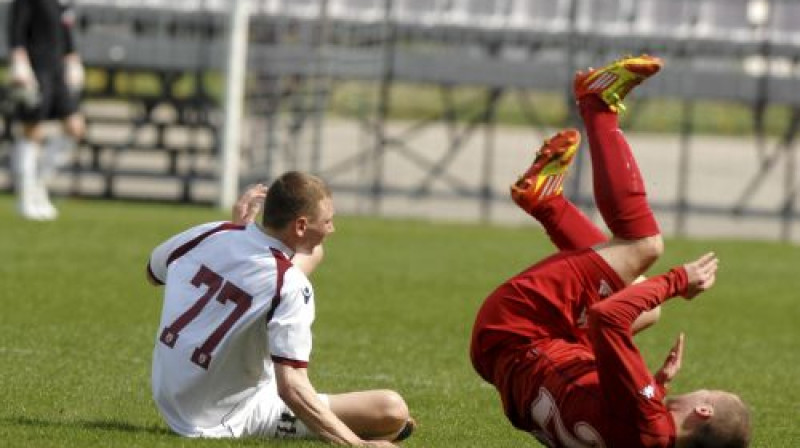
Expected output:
{"points": [[739, 51]]}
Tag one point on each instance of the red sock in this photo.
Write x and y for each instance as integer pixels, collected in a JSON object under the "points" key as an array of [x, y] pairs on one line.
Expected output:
{"points": [[618, 186], [567, 227]]}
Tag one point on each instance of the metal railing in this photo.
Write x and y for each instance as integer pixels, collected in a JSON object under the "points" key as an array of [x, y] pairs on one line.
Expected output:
{"points": [[741, 51]]}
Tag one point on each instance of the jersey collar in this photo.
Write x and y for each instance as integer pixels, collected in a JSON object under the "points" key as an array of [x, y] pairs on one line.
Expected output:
{"points": [[263, 239]]}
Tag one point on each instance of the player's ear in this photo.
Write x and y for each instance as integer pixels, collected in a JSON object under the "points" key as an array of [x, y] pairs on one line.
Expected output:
{"points": [[704, 411], [300, 226]]}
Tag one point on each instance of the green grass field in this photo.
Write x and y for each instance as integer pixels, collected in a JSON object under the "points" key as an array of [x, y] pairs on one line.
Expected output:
{"points": [[396, 300]]}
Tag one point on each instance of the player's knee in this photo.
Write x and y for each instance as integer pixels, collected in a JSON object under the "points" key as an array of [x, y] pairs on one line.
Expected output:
{"points": [[394, 410], [33, 132], [75, 128], [648, 250]]}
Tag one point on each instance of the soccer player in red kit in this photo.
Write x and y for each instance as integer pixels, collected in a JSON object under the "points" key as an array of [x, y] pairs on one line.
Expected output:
{"points": [[556, 340]]}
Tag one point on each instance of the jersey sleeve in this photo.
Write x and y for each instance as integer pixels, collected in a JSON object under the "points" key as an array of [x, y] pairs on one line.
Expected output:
{"points": [[289, 328], [166, 251], [624, 377]]}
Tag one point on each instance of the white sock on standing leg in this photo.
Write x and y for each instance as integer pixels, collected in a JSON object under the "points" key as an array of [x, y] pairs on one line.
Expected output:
{"points": [[54, 157], [24, 167]]}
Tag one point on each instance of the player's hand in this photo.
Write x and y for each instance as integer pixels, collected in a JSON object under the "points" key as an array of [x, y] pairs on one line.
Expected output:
{"points": [[701, 274], [672, 364], [20, 70], [249, 205], [74, 73]]}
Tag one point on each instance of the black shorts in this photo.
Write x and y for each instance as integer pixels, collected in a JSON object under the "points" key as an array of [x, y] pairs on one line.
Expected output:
{"points": [[56, 101]]}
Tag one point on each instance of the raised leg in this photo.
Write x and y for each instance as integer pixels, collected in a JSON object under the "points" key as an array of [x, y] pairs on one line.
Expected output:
{"points": [[539, 192], [618, 185]]}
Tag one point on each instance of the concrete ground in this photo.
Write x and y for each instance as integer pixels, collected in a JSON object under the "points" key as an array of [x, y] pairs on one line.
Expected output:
{"points": [[720, 168]]}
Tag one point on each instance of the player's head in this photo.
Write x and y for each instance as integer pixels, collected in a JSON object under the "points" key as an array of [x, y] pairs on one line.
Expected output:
{"points": [[710, 419], [300, 207]]}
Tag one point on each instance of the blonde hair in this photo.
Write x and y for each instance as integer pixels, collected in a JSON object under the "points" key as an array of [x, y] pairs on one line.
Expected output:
{"points": [[729, 427]]}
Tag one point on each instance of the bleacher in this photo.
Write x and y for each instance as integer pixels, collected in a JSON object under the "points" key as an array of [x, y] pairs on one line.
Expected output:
{"points": [[190, 34], [745, 51]]}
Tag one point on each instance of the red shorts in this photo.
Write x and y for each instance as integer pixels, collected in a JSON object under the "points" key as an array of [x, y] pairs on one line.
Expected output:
{"points": [[565, 370], [535, 322]]}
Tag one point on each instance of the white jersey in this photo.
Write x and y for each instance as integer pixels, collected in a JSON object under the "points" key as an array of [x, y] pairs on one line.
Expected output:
{"points": [[233, 305]]}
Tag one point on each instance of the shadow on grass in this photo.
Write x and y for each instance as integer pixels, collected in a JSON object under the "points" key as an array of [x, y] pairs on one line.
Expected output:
{"points": [[130, 428], [102, 425]]}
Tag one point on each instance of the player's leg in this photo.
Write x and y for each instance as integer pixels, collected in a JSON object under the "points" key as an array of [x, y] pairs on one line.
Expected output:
{"points": [[66, 107], [57, 150], [539, 193], [55, 153], [32, 110], [267, 416], [374, 414], [24, 158], [618, 185]]}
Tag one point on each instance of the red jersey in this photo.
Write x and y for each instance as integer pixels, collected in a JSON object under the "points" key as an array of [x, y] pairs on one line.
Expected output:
{"points": [[572, 387]]}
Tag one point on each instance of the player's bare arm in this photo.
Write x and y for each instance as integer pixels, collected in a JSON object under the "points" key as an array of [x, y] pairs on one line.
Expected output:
{"points": [[648, 318], [249, 204], [296, 391], [701, 275], [672, 365]]}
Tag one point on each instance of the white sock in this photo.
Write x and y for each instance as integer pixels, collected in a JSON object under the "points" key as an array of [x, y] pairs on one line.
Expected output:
{"points": [[24, 157], [54, 157], [42, 204], [24, 166]]}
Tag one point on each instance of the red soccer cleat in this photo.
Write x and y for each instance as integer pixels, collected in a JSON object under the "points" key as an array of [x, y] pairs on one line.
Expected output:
{"points": [[613, 82], [545, 178]]}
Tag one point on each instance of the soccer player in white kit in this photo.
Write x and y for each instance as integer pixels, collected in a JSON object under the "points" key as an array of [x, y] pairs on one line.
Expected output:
{"points": [[234, 342]]}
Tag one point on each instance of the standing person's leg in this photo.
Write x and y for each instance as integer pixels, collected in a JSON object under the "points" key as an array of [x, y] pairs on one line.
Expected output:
{"points": [[32, 111], [539, 193], [55, 154], [24, 157], [56, 151]]}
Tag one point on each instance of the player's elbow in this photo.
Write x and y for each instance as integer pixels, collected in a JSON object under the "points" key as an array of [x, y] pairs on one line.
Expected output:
{"points": [[289, 392], [647, 251], [601, 315], [292, 384]]}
